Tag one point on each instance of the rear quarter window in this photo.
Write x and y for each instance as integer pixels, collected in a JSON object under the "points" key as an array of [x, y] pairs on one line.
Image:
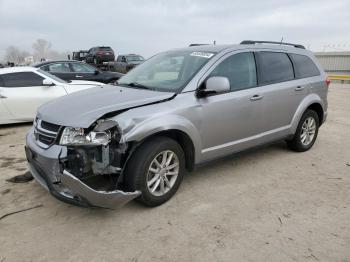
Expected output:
{"points": [[304, 66], [274, 67]]}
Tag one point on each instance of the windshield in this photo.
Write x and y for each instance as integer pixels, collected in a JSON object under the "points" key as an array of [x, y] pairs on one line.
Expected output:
{"points": [[168, 72], [134, 58], [52, 76]]}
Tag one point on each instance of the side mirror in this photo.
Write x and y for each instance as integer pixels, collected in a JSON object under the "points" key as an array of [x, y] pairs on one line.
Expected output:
{"points": [[214, 85], [48, 82], [96, 72]]}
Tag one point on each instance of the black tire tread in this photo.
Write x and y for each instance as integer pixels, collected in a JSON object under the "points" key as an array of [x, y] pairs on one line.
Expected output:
{"points": [[139, 163], [295, 143]]}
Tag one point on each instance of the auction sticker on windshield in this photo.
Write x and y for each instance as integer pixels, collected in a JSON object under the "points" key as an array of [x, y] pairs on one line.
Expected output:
{"points": [[202, 54]]}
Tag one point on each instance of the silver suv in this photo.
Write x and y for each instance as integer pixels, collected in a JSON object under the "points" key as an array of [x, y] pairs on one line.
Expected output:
{"points": [[105, 146]]}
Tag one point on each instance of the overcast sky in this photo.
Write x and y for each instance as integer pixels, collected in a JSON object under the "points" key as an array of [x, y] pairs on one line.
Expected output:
{"points": [[150, 26]]}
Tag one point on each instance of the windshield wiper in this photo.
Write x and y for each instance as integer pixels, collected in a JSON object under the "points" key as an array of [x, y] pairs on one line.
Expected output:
{"points": [[138, 85]]}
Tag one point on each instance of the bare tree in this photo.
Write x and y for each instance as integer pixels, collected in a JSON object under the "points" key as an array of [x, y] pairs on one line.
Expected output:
{"points": [[56, 55], [15, 55], [41, 48]]}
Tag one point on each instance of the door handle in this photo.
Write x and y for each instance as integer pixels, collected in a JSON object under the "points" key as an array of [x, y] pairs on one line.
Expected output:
{"points": [[78, 76], [256, 97], [3, 97], [299, 88]]}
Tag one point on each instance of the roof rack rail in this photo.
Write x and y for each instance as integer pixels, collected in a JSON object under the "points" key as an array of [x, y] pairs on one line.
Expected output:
{"points": [[252, 42], [197, 44]]}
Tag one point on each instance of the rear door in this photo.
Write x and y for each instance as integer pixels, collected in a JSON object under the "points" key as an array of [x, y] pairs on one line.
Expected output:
{"points": [[281, 92], [24, 93]]}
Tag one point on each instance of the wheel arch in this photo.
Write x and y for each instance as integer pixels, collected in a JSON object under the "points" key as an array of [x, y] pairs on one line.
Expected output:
{"points": [[314, 102], [317, 107], [180, 137]]}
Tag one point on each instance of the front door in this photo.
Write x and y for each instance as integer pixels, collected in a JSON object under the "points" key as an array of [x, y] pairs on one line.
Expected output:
{"points": [[61, 70], [232, 120], [82, 71]]}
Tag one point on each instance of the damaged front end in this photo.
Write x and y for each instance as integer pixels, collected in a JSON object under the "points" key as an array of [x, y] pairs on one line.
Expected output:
{"points": [[82, 166]]}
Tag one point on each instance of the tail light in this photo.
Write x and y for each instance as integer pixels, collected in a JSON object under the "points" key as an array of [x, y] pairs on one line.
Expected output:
{"points": [[100, 53], [328, 81]]}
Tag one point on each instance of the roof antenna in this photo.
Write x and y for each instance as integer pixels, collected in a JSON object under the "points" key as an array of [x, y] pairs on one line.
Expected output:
{"points": [[281, 40]]}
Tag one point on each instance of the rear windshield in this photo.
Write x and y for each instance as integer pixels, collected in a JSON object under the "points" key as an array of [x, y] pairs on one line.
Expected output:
{"points": [[105, 48], [134, 58]]}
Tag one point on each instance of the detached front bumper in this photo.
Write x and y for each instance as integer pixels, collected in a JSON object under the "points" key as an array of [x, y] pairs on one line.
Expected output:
{"points": [[45, 166]]}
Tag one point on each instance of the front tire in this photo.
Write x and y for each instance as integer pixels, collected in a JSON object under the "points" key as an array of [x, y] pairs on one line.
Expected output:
{"points": [[306, 133], [156, 169]]}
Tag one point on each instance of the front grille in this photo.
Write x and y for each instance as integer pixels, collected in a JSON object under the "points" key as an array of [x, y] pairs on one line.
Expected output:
{"points": [[46, 139], [49, 126], [45, 132]]}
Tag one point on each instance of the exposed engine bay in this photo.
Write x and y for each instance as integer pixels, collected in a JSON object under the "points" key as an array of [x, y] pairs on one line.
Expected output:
{"points": [[99, 166]]}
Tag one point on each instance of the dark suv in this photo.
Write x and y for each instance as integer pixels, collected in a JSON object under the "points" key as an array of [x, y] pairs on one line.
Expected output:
{"points": [[76, 70], [127, 62], [99, 54]]}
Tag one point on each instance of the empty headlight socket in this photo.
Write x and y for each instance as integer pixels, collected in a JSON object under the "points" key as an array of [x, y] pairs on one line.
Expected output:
{"points": [[85, 160]]}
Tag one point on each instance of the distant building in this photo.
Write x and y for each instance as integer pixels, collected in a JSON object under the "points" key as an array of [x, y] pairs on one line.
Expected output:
{"points": [[335, 63]]}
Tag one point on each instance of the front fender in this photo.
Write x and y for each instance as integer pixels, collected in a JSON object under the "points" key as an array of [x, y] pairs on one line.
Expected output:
{"points": [[307, 101], [152, 126]]}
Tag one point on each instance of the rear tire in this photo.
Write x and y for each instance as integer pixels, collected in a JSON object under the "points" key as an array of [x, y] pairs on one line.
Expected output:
{"points": [[306, 133], [148, 169]]}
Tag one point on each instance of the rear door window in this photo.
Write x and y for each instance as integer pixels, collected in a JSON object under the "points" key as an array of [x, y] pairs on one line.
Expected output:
{"points": [[239, 69], [304, 66], [22, 79], [274, 67]]}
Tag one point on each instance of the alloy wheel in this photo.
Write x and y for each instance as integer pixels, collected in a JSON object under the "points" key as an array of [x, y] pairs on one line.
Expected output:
{"points": [[162, 173], [308, 131]]}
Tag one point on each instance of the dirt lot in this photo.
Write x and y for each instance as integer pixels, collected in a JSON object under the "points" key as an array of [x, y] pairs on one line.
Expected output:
{"points": [[269, 204]]}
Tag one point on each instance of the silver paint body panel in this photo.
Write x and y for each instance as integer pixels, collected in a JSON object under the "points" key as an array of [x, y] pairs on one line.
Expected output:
{"points": [[217, 125]]}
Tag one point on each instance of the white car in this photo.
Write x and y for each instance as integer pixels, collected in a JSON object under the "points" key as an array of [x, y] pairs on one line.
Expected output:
{"points": [[24, 89]]}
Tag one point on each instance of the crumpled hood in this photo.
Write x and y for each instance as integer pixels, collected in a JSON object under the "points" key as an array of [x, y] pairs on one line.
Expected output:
{"points": [[81, 109]]}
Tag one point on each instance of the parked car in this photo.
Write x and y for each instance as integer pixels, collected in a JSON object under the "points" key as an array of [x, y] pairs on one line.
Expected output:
{"points": [[125, 63], [24, 89], [136, 141], [76, 70], [99, 55], [80, 55]]}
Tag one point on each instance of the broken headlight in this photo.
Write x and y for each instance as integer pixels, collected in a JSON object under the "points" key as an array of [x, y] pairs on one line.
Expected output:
{"points": [[79, 136]]}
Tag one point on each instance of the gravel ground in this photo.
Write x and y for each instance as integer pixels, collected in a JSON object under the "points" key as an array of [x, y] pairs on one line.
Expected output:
{"points": [[268, 204]]}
